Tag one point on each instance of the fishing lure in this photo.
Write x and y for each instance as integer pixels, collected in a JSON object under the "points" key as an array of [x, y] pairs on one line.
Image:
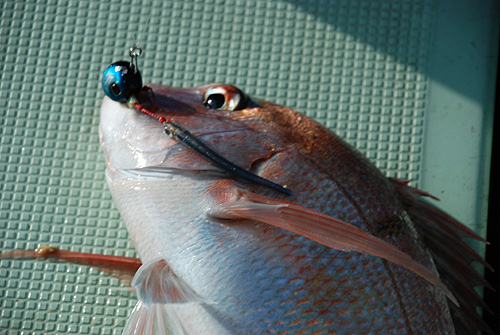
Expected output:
{"points": [[122, 82]]}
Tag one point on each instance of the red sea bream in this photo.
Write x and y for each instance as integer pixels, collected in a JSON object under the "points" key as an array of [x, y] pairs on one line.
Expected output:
{"points": [[350, 252]]}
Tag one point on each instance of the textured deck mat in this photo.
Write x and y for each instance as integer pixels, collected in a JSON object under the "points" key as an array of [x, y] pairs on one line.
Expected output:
{"points": [[401, 80]]}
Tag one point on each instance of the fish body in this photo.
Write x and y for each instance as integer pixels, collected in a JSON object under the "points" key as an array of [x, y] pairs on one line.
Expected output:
{"points": [[215, 262]]}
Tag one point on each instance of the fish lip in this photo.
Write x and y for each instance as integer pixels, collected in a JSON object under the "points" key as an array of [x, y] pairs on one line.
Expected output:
{"points": [[174, 110], [161, 152], [107, 159], [155, 173], [174, 143], [181, 105]]}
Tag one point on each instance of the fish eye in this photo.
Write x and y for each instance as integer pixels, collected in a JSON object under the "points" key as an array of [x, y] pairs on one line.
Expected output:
{"points": [[225, 97], [120, 81], [215, 101]]}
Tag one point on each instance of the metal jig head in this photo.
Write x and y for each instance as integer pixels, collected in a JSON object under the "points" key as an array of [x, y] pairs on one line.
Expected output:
{"points": [[122, 80]]}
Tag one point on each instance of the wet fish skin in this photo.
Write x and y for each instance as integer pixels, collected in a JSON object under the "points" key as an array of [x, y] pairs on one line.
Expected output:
{"points": [[247, 277]]}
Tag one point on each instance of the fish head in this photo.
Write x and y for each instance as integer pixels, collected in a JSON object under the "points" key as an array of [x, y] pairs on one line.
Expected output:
{"points": [[245, 130]]}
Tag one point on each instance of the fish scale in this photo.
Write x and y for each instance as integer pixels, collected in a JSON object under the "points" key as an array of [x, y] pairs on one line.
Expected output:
{"points": [[241, 272], [335, 290]]}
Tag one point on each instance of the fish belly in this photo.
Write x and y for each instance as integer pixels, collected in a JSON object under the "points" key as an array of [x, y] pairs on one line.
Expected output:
{"points": [[257, 279]]}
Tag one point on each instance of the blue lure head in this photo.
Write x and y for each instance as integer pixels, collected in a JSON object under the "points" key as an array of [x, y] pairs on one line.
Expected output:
{"points": [[122, 80]]}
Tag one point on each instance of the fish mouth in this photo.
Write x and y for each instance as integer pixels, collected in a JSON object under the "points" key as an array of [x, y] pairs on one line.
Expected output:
{"points": [[155, 173], [201, 136], [148, 150], [132, 140]]}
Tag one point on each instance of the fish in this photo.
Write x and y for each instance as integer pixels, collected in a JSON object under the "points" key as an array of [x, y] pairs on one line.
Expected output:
{"points": [[346, 251]]}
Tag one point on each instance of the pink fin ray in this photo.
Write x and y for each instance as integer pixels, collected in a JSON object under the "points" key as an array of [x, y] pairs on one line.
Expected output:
{"points": [[156, 282], [120, 267], [321, 228], [154, 319], [443, 235], [159, 290], [443, 221]]}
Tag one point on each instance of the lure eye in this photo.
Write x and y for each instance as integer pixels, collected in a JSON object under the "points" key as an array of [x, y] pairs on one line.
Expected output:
{"points": [[120, 81], [225, 97], [115, 89]]}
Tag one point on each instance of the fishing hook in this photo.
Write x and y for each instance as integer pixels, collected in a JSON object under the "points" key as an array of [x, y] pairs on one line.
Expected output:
{"points": [[134, 53]]}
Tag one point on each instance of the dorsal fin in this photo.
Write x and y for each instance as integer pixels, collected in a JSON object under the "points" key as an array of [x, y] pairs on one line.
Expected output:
{"points": [[443, 236]]}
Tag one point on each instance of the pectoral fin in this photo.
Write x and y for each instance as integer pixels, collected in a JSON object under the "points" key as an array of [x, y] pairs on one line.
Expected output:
{"points": [[154, 319], [159, 290], [156, 282], [120, 267], [321, 228]]}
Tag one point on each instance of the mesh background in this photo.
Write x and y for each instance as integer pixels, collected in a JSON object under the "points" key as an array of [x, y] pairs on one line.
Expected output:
{"points": [[359, 67]]}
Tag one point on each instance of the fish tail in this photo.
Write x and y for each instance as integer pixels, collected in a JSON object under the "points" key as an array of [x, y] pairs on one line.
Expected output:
{"points": [[453, 257]]}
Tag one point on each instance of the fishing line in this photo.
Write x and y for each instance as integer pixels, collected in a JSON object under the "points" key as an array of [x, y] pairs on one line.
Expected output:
{"points": [[122, 82], [136, 38]]}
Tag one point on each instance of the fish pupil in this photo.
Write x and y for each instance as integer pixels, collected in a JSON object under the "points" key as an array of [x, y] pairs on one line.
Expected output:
{"points": [[215, 101]]}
